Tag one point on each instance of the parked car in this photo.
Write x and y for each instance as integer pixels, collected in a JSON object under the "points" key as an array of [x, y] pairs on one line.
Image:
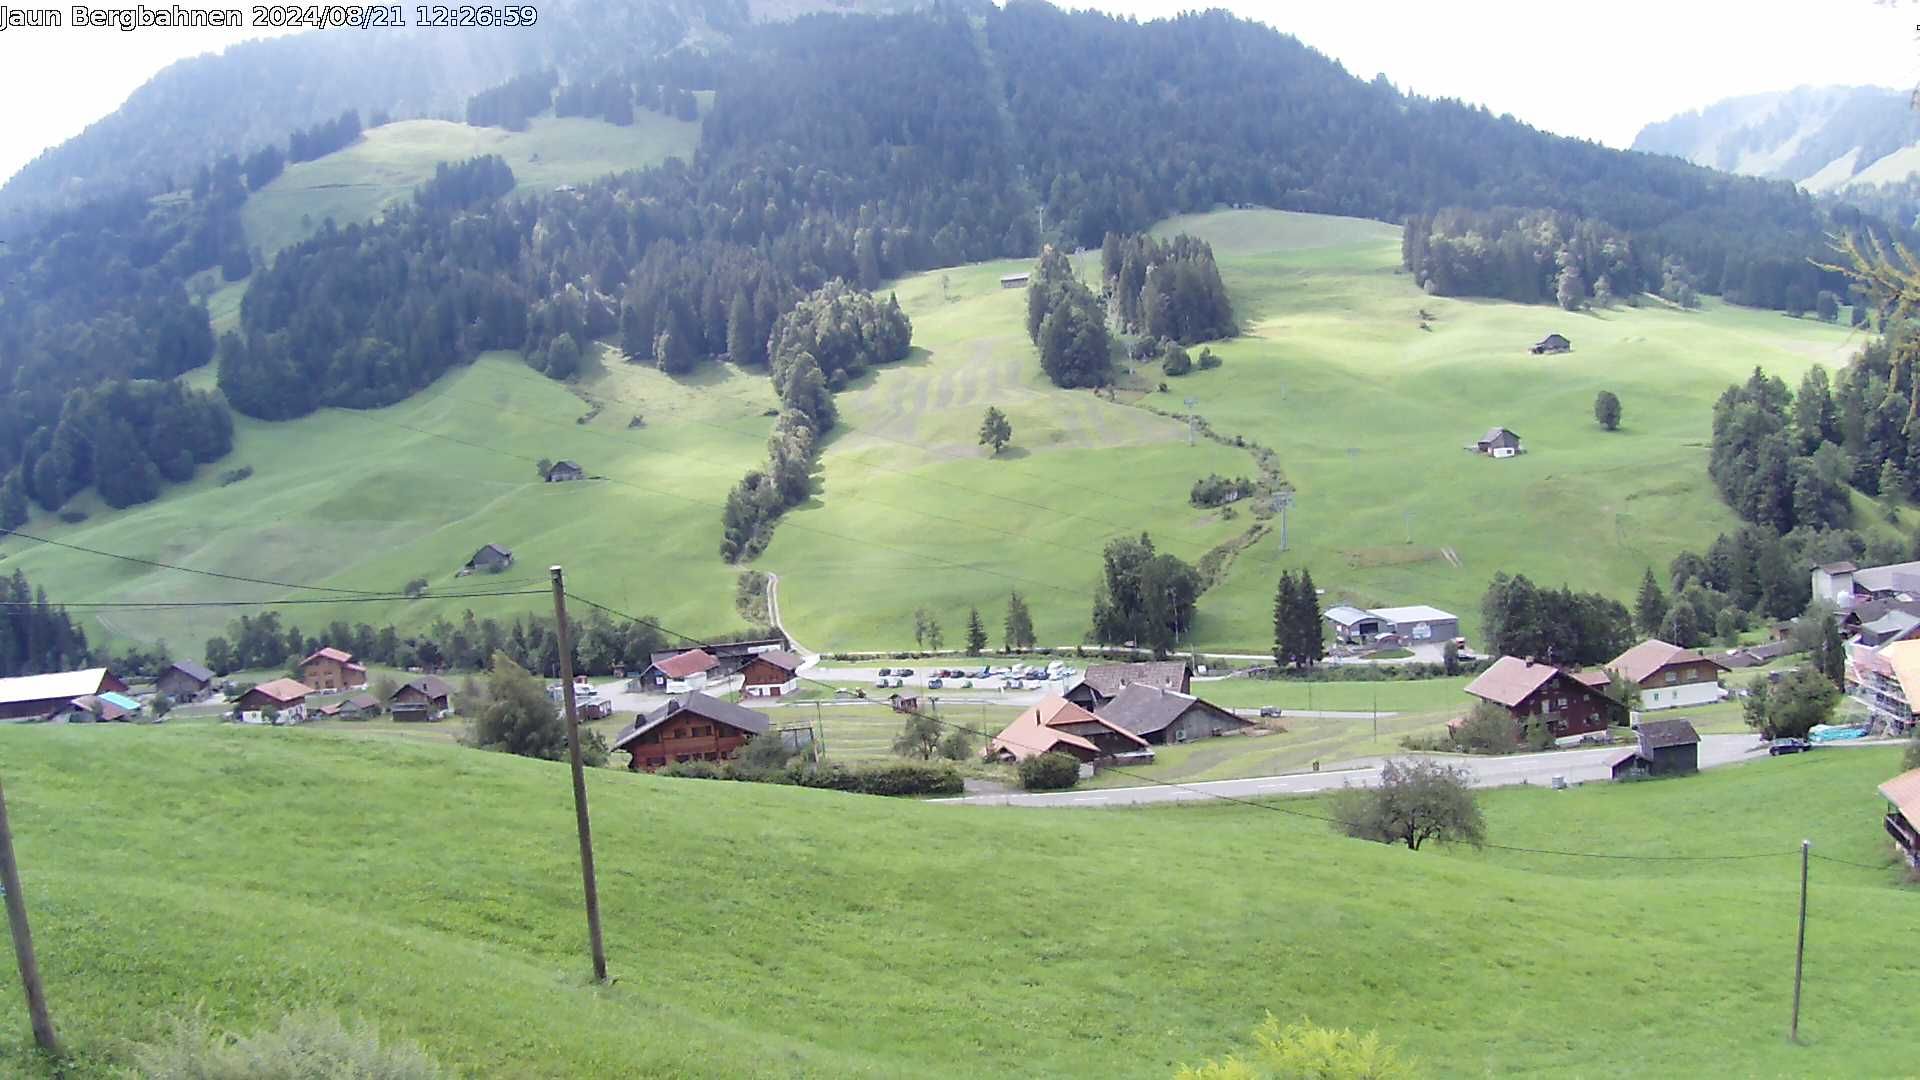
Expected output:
{"points": [[966, 684], [1014, 684], [903, 671], [936, 683], [1788, 746], [1271, 710], [885, 671]]}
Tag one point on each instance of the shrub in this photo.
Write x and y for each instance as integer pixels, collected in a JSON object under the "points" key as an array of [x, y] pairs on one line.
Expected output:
{"points": [[694, 770], [305, 1046], [234, 476], [1051, 771], [1303, 1050], [1217, 490], [957, 746], [908, 778], [1177, 362], [593, 749], [1488, 730], [416, 586], [1208, 361], [73, 517]]}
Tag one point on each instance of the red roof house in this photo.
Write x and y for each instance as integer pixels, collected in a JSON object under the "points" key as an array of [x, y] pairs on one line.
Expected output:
{"points": [[1057, 724], [1531, 690], [679, 672], [332, 669]]}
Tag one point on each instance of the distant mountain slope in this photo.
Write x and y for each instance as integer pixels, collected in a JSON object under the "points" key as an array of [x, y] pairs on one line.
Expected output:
{"points": [[1823, 138]]}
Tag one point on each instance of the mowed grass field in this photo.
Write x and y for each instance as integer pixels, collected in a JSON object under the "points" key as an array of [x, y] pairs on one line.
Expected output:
{"points": [[384, 167], [764, 931], [1368, 414], [371, 500]]}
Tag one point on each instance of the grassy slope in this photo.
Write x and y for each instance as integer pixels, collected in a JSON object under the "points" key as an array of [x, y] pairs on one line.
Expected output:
{"points": [[354, 500], [765, 931], [357, 183]]}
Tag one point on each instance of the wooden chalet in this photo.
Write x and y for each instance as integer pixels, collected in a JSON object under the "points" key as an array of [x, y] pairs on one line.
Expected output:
{"points": [[1103, 682], [1530, 690], [488, 560], [561, 472], [184, 680], [1167, 716], [677, 672], [428, 694], [1903, 814], [1552, 343], [693, 727], [1498, 442], [1670, 677], [770, 674], [1058, 725], [282, 701], [332, 669], [353, 707]]}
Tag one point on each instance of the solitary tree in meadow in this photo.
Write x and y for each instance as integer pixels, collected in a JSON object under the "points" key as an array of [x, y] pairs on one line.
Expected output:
{"points": [[976, 633], [995, 431], [1414, 802], [1606, 409]]}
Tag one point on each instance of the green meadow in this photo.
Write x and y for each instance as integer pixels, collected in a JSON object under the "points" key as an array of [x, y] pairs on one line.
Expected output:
{"points": [[1366, 411], [766, 931], [382, 169]]}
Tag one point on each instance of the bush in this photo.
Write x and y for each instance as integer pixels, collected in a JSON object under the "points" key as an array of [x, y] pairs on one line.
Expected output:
{"points": [[305, 1046], [1052, 771], [1303, 1050], [73, 517], [1489, 729], [908, 778], [1217, 490], [593, 749], [695, 770], [888, 778], [1208, 361], [1177, 362], [416, 586], [234, 476]]}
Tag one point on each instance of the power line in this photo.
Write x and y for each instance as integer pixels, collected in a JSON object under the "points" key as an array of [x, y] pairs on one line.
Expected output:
{"points": [[186, 569], [1217, 796], [166, 605]]}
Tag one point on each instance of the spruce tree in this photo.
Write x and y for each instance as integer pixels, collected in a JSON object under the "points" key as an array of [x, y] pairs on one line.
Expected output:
{"points": [[1311, 645], [976, 634], [1650, 607], [1019, 624], [1283, 615]]}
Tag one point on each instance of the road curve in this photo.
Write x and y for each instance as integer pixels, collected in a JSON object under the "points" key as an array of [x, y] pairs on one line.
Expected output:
{"points": [[1578, 766]]}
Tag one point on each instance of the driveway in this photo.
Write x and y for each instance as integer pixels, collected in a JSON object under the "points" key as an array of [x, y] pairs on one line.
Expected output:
{"points": [[1578, 766]]}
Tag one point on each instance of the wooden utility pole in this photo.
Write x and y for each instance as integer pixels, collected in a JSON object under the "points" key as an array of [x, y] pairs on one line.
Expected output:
{"points": [[23, 938], [1800, 950], [585, 828]]}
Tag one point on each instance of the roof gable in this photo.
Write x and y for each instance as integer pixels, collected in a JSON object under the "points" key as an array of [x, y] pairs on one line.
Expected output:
{"points": [[1144, 710], [681, 665], [192, 670], [1662, 734], [694, 705], [785, 661], [1648, 658], [1107, 679], [1903, 791], [285, 691], [328, 652], [1512, 680]]}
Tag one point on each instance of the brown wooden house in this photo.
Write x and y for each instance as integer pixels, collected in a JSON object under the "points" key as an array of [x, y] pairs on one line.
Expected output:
{"points": [[1903, 814], [770, 674], [1670, 677], [1168, 716], [332, 669], [1666, 748], [427, 694], [184, 681], [1531, 690], [282, 701], [693, 727]]}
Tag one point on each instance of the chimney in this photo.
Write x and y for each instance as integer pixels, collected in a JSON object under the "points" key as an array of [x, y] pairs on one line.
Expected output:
{"points": [[1528, 661]]}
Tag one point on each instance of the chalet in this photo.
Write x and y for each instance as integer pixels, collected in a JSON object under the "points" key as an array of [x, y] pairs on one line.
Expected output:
{"points": [[353, 707], [1498, 442], [184, 681], [1552, 343], [561, 472], [770, 674], [693, 727], [1103, 682], [677, 672], [1667, 748], [1530, 690], [1168, 716], [428, 693], [1015, 281], [1670, 677], [282, 701], [104, 708], [332, 669], [1903, 814], [488, 560], [1057, 724], [31, 697]]}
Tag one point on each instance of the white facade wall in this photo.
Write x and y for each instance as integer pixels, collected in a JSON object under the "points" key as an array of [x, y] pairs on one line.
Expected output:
{"points": [[1679, 697]]}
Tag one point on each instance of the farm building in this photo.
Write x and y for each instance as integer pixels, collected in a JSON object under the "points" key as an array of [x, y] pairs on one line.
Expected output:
{"points": [[676, 672], [1856, 617], [184, 680], [1887, 682], [285, 699], [1846, 586], [693, 727], [1888, 628], [488, 560], [1103, 682], [352, 707], [1168, 716], [1057, 724], [1498, 442], [1552, 343], [1417, 622], [770, 674], [1015, 281], [1667, 748], [561, 472], [1670, 677], [1903, 814], [332, 669], [422, 692], [1531, 690], [30, 697], [103, 708]]}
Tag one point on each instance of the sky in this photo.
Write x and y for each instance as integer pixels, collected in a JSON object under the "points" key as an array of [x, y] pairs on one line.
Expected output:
{"points": [[1599, 72]]}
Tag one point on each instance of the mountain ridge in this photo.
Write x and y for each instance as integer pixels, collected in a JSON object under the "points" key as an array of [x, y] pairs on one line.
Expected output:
{"points": [[1824, 138]]}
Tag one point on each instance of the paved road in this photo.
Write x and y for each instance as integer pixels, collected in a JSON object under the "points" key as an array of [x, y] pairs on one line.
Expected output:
{"points": [[1577, 766]]}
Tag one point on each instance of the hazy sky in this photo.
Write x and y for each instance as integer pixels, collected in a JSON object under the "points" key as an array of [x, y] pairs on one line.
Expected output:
{"points": [[1597, 71]]}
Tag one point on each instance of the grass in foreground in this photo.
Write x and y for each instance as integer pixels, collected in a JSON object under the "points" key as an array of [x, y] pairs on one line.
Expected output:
{"points": [[434, 891]]}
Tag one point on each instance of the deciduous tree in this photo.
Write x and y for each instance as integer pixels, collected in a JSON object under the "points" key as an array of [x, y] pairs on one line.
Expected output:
{"points": [[1414, 802]]}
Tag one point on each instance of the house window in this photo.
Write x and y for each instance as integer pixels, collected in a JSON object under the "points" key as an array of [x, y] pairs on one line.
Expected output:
{"points": [[1673, 676], [680, 733]]}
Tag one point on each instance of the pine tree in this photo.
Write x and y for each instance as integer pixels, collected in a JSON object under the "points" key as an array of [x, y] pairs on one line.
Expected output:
{"points": [[1283, 615], [13, 502], [1019, 625], [976, 633], [740, 329], [995, 431], [1832, 654], [1310, 647], [1650, 607]]}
